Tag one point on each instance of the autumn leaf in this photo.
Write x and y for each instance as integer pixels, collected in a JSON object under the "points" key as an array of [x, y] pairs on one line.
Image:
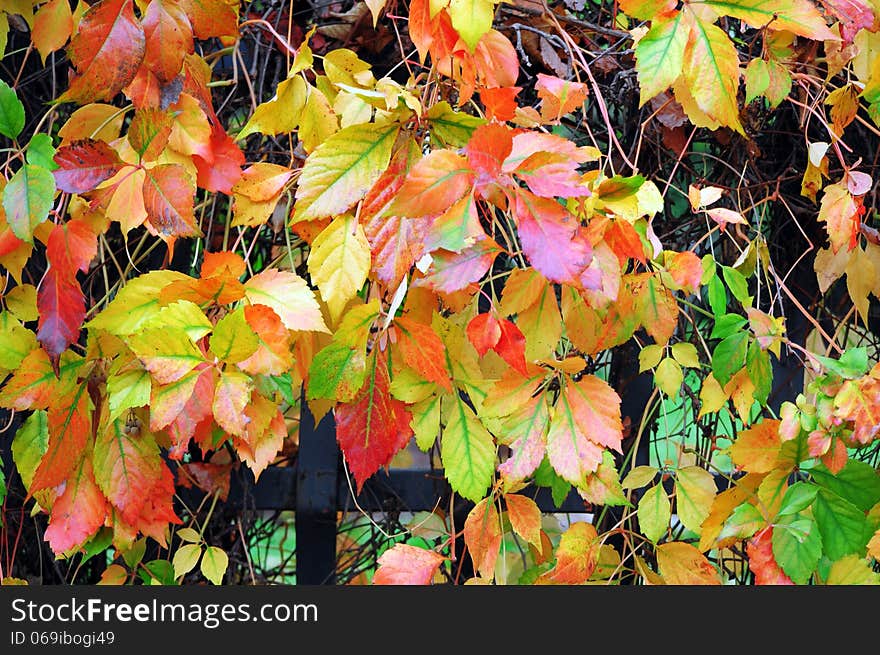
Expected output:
{"points": [[403, 564], [374, 427], [27, 200], [231, 398], [342, 169], [167, 353], [423, 351], [762, 562], [682, 564], [70, 248], [127, 464], [576, 555], [169, 38], [757, 449], [106, 51], [570, 447], [840, 212], [694, 494], [559, 97], [168, 201], [432, 185], [289, 297], [339, 261], [482, 536], [83, 165], [654, 513], [70, 427], [525, 518], [467, 451], [79, 512], [53, 25], [660, 56]]}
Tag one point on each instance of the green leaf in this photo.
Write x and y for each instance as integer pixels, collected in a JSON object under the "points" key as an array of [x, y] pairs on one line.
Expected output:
{"points": [[234, 340], [214, 563], [426, 422], [545, 476], [11, 111], [853, 363], [127, 390], [729, 356], [30, 444], [654, 513], [798, 497], [158, 572], [726, 325], [650, 356], [843, 526], [760, 373], [27, 199], [342, 169], [717, 295], [40, 152], [742, 523], [337, 372], [450, 128], [797, 547], [856, 482], [467, 452], [685, 353], [738, 284], [660, 56]]}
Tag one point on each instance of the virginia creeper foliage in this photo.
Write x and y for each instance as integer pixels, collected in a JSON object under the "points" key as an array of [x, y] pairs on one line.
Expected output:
{"points": [[467, 249]]}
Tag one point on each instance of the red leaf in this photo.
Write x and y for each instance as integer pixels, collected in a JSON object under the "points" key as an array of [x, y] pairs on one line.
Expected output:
{"points": [[210, 478], [452, 271], [407, 565], [482, 535], [512, 346], [624, 241], [106, 51], [168, 199], [222, 169], [158, 509], [373, 428], [70, 426], [541, 222], [423, 351], [79, 512], [484, 332], [854, 15], [83, 165], [487, 149], [168, 38], [60, 300], [686, 270], [761, 560]]}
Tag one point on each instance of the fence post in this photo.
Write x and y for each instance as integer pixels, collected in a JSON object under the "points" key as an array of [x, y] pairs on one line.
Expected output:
{"points": [[317, 470]]}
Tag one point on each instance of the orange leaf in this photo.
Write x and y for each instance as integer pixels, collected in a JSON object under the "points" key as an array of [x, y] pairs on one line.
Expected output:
{"points": [[423, 351], [168, 36], [433, 185], [525, 518], [840, 211], [682, 564], [559, 97], [70, 427], [168, 199], [106, 51], [53, 25], [482, 535], [576, 555], [757, 449], [231, 398]]}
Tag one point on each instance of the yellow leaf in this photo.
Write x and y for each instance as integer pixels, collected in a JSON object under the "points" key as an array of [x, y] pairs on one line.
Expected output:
{"points": [[682, 564], [339, 262], [471, 19], [861, 279], [318, 121], [694, 492], [342, 170], [282, 113]]}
